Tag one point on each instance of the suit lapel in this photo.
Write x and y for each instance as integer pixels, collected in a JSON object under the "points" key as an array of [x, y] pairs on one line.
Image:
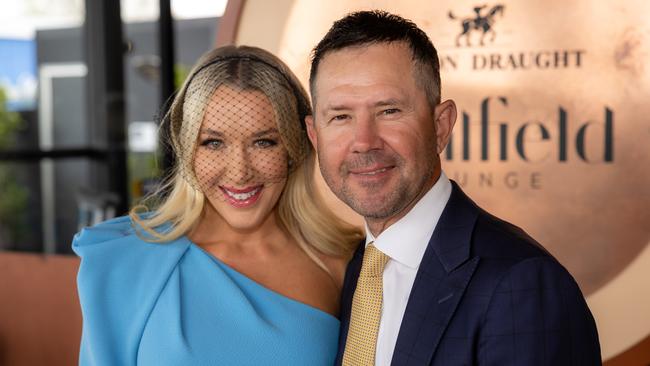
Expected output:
{"points": [[349, 286], [440, 283]]}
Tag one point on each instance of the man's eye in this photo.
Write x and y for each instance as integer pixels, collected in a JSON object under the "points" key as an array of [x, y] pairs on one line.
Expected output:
{"points": [[390, 111], [265, 143], [212, 144]]}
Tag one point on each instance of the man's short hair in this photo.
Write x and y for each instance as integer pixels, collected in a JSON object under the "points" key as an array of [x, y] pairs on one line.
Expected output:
{"points": [[364, 28]]}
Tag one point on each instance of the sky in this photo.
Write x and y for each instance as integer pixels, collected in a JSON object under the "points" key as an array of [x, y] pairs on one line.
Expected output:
{"points": [[20, 19]]}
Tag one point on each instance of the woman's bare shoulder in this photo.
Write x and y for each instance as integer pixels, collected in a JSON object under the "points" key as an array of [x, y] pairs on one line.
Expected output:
{"points": [[336, 267]]}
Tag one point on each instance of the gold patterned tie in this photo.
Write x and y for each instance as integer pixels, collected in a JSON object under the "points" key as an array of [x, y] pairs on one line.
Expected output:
{"points": [[366, 310]]}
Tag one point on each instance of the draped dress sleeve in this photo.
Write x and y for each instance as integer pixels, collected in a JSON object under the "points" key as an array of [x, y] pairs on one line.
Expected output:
{"points": [[119, 281]]}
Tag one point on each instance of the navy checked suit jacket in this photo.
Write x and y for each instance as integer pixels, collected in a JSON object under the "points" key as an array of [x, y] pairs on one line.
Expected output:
{"points": [[486, 294]]}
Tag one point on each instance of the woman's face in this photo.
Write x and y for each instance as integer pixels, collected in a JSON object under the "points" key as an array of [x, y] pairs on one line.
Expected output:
{"points": [[240, 161]]}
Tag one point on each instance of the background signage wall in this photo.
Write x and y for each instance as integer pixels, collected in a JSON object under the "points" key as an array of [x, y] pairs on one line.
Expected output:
{"points": [[553, 127]]}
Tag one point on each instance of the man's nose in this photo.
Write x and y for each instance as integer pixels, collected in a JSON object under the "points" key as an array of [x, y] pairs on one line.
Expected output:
{"points": [[365, 135]]}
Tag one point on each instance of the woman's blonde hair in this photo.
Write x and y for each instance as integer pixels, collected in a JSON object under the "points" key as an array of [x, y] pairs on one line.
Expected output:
{"points": [[300, 208]]}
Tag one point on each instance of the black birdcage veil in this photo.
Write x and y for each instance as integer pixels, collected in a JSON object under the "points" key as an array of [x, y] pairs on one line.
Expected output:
{"points": [[235, 127]]}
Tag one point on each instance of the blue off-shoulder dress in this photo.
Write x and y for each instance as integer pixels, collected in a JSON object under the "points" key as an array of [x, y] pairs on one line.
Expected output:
{"points": [[175, 304]]}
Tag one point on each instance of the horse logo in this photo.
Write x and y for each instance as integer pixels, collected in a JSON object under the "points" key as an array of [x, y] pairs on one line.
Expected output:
{"points": [[479, 22]]}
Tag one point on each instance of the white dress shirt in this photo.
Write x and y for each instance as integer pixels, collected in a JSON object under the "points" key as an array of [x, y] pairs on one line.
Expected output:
{"points": [[405, 242]]}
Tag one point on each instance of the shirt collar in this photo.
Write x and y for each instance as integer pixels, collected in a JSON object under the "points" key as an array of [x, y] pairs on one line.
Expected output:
{"points": [[406, 240]]}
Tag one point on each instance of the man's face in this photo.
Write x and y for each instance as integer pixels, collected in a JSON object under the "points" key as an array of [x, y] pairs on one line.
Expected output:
{"points": [[374, 130]]}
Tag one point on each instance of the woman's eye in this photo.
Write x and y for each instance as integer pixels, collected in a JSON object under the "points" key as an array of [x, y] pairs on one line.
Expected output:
{"points": [[265, 143], [212, 144], [340, 117]]}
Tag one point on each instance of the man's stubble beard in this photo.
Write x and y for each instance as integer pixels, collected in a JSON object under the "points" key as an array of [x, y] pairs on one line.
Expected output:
{"points": [[391, 203]]}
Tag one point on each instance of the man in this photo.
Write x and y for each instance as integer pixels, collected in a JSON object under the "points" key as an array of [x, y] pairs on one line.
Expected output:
{"points": [[438, 281]]}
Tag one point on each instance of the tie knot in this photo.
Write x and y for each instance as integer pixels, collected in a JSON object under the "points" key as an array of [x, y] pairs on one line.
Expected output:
{"points": [[374, 262]]}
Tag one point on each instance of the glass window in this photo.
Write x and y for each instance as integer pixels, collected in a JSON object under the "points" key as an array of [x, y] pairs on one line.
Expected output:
{"points": [[53, 157]]}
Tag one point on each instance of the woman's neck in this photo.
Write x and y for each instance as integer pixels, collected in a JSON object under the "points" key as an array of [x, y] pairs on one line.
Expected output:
{"points": [[213, 232]]}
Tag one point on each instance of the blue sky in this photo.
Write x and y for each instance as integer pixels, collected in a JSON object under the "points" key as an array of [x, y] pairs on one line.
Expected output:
{"points": [[18, 72]]}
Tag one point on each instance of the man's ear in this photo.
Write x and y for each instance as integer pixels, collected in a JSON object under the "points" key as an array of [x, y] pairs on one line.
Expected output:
{"points": [[311, 131], [445, 118]]}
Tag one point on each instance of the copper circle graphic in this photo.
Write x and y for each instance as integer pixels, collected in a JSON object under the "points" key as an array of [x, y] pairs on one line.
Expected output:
{"points": [[565, 163], [552, 130]]}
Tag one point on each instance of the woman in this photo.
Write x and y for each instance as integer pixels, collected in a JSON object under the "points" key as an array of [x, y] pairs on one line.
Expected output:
{"points": [[240, 264]]}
